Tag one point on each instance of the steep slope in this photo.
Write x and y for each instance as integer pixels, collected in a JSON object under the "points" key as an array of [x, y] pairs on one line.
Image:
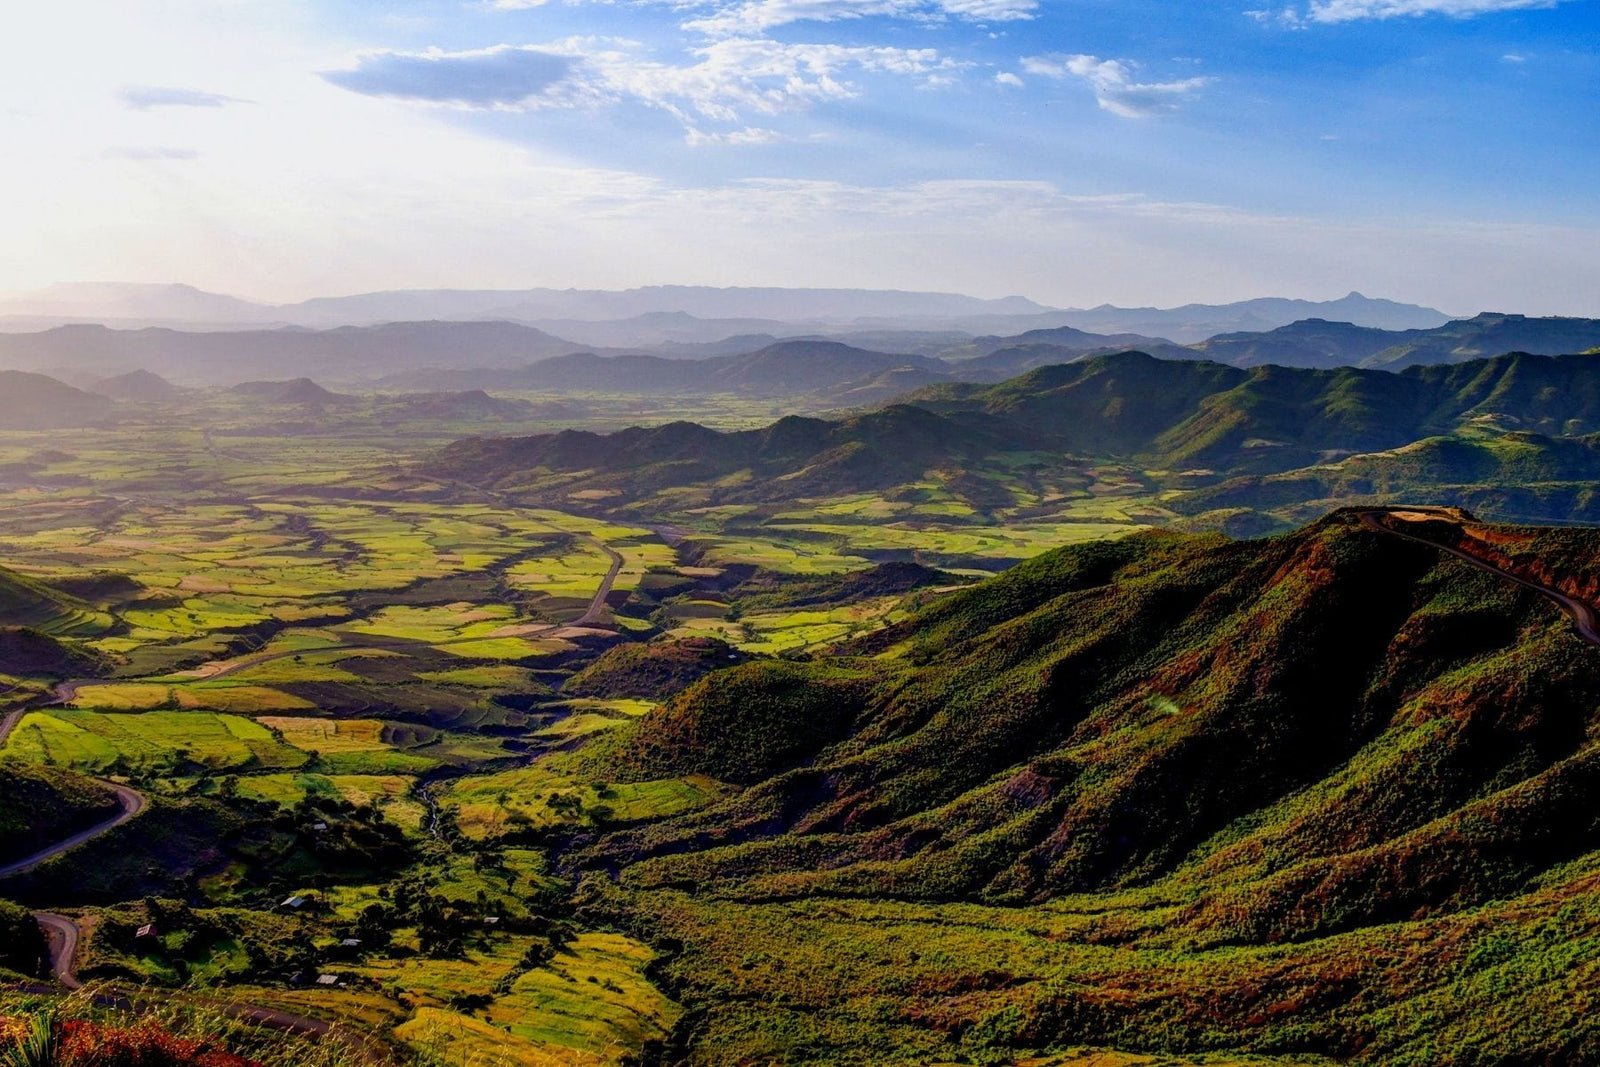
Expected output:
{"points": [[1325, 794], [35, 402]]}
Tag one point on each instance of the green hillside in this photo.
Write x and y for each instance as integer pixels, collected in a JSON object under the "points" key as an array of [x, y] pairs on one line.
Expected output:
{"points": [[25, 602], [793, 457], [1323, 795], [40, 806]]}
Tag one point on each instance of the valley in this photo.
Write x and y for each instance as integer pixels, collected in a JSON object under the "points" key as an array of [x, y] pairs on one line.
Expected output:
{"points": [[977, 723]]}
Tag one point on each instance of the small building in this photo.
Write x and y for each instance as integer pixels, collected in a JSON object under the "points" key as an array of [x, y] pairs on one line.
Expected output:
{"points": [[145, 932], [350, 942], [327, 979], [319, 826], [492, 920], [294, 903]]}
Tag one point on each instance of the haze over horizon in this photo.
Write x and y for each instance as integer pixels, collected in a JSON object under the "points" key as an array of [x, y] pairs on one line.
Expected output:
{"points": [[1426, 151]]}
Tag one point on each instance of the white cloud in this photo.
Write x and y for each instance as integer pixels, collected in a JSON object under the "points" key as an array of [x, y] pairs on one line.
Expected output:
{"points": [[1352, 10], [1114, 86], [727, 80], [756, 16], [749, 135], [1005, 77], [498, 77]]}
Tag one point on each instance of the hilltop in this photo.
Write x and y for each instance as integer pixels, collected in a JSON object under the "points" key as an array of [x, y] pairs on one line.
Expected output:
{"points": [[139, 385]]}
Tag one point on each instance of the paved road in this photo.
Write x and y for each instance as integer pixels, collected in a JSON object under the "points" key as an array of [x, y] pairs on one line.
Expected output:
{"points": [[597, 606], [1582, 615], [61, 937], [132, 803], [9, 723]]}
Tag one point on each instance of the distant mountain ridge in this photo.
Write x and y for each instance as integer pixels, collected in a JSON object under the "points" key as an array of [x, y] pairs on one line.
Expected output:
{"points": [[1320, 343], [1194, 416], [633, 317], [1196, 322], [226, 357]]}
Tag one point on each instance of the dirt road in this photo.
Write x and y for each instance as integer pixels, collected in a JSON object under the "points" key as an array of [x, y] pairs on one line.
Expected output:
{"points": [[1582, 615]]}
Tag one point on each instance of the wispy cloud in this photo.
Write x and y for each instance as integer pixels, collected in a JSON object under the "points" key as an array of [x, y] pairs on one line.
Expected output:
{"points": [[1353, 10], [499, 77], [726, 80], [144, 97], [1005, 77], [756, 16], [1114, 83]]}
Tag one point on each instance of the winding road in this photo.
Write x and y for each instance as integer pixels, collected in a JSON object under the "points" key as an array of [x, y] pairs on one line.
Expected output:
{"points": [[132, 803], [1582, 615]]}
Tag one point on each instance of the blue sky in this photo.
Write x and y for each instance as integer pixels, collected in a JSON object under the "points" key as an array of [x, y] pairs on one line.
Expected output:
{"points": [[1141, 151]]}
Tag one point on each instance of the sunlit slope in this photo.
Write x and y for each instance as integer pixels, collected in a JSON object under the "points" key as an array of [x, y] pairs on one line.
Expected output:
{"points": [[35, 605], [1315, 794]]}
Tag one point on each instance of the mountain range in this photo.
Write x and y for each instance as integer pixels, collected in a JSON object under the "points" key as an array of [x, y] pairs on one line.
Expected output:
{"points": [[682, 314], [1202, 423], [448, 356]]}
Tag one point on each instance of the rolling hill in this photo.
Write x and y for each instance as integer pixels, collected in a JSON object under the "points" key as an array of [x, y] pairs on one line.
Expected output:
{"points": [[25, 602], [1262, 438], [793, 457], [138, 385], [36, 402], [1323, 343], [1173, 795]]}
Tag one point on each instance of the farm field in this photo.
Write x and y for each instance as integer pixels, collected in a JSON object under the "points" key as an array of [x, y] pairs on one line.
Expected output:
{"points": [[339, 682]]}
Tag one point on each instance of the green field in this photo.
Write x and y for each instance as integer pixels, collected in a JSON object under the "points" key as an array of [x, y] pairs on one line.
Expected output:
{"points": [[152, 741]]}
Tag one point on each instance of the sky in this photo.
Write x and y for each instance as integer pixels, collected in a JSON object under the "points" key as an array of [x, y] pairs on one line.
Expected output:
{"points": [[1138, 152]]}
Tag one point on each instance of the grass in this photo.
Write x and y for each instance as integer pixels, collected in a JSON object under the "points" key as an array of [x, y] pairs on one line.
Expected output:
{"points": [[541, 796], [287, 790], [589, 1005], [347, 746], [152, 741], [230, 696]]}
